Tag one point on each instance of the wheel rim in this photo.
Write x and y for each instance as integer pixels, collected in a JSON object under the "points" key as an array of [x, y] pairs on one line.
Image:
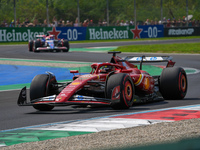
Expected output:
{"points": [[183, 83], [128, 91]]}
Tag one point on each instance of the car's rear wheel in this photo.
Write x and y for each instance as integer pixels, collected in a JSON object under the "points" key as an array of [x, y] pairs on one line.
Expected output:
{"points": [[120, 89], [30, 46], [66, 44], [41, 86], [173, 83]]}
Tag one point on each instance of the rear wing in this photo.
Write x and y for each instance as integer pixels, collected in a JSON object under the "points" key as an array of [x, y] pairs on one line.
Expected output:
{"points": [[147, 59], [133, 59], [40, 36]]}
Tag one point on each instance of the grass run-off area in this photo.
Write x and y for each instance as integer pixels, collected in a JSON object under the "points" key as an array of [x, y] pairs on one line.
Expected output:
{"points": [[192, 48]]}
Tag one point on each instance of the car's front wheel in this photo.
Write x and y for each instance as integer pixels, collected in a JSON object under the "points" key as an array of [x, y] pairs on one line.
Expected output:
{"points": [[41, 86], [30, 46], [66, 44], [120, 89]]}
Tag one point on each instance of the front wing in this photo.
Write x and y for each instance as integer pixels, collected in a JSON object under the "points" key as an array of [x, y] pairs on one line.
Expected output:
{"points": [[49, 48], [50, 100]]}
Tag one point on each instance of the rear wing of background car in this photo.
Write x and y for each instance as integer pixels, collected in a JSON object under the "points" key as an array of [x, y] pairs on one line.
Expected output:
{"points": [[40, 36], [147, 59]]}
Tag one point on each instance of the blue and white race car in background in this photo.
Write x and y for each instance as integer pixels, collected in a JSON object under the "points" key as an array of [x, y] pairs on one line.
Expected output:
{"points": [[48, 43]]}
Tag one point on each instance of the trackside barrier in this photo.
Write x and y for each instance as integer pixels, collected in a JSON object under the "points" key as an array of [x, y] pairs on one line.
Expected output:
{"points": [[181, 31], [24, 34], [21, 34], [125, 32]]}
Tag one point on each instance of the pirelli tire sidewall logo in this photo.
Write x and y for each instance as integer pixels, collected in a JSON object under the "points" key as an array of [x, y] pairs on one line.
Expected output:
{"points": [[190, 31]]}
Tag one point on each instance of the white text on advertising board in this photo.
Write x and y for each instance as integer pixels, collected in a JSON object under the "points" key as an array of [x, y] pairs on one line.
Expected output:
{"points": [[181, 31], [111, 34], [17, 36]]}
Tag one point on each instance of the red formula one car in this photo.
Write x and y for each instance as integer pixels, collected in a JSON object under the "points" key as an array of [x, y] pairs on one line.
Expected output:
{"points": [[48, 43], [117, 83]]}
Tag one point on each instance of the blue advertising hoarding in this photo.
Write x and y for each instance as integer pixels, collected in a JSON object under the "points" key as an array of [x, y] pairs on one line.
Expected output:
{"points": [[69, 33], [84, 33], [146, 31], [151, 31]]}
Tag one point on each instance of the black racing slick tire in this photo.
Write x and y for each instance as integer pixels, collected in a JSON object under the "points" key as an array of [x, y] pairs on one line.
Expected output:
{"points": [[66, 44], [36, 45], [173, 83], [120, 89], [41, 86], [30, 46]]}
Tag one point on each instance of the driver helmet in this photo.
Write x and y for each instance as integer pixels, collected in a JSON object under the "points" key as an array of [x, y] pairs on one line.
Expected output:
{"points": [[108, 68]]}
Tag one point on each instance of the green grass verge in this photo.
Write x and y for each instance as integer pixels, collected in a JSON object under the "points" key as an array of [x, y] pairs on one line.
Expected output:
{"points": [[192, 48], [143, 39], [93, 41]]}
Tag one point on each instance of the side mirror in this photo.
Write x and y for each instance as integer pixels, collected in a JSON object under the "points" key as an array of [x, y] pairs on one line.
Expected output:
{"points": [[73, 71]]}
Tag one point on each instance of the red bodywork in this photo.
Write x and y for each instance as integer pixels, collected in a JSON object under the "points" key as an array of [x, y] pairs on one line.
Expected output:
{"points": [[141, 79]]}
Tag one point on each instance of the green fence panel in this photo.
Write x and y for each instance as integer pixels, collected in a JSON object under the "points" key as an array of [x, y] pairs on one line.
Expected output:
{"points": [[109, 33], [22, 34]]}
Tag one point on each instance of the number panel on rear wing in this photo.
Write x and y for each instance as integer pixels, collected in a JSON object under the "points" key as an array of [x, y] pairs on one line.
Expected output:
{"points": [[135, 59]]}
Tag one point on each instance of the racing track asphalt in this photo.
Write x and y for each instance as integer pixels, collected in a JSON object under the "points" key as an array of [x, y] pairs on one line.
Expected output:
{"points": [[12, 116]]}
